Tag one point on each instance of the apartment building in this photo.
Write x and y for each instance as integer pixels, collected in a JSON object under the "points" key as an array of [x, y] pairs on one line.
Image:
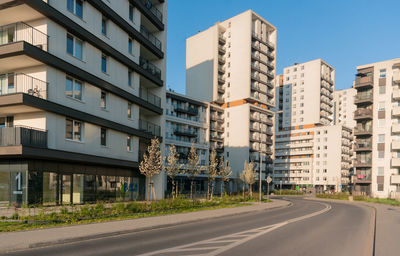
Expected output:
{"points": [[377, 130], [232, 65], [81, 93], [344, 107], [187, 121], [309, 150]]}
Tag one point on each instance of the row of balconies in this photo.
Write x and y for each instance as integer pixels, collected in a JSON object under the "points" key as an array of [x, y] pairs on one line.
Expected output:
{"points": [[362, 113]]}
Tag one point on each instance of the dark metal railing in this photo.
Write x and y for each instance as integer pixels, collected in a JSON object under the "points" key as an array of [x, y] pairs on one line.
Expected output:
{"points": [[149, 127], [25, 136], [150, 6], [188, 110], [21, 31], [12, 83], [149, 36], [149, 97], [151, 68]]}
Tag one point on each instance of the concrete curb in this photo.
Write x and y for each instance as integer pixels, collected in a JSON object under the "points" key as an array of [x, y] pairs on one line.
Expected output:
{"points": [[103, 234]]}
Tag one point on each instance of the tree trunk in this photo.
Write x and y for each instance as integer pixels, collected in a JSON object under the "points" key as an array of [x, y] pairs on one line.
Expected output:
{"points": [[191, 190], [243, 190], [208, 190], [177, 188], [148, 188], [251, 190], [212, 190], [173, 189], [222, 190]]}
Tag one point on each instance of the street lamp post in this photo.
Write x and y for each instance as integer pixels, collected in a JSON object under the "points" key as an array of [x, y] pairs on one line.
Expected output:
{"points": [[260, 183]]}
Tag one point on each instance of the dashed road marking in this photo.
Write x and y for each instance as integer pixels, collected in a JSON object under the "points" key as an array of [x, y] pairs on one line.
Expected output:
{"points": [[210, 247]]}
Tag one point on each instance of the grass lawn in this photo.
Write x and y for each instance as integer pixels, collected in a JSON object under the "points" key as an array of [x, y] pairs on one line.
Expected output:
{"points": [[100, 212]]}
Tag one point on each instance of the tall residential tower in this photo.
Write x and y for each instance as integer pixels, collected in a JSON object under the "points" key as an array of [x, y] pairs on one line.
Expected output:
{"points": [[232, 64]]}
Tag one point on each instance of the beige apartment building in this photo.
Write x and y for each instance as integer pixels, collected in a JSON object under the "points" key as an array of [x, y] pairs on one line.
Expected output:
{"points": [[344, 107], [232, 65], [310, 151], [378, 129], [81, 94]]}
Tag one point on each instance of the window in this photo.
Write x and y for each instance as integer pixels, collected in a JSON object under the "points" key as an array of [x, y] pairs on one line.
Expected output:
{"points": [[131, 12], [381, 105], [381, 154], [380, 187], [73, 130], [130, 46], [74, 46], [103, 136], [104, 26], [381, 138], [103, 99], [382, 89], [76, 7], [104, 63], [381, 123], [130, 78], [73, 88], [382, 73], [129, 143], [129, 112], [381, 171]]}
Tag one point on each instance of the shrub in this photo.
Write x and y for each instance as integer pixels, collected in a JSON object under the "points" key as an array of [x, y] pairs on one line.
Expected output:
{"points": [[288, 192], [340, 196]]}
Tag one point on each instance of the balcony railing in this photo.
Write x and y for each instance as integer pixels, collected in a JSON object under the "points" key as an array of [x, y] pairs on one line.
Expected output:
{"points": [[149, 127], [187, 110], [25, 136], [268, 43], [150, 6], [147, 65], [185, 132], [363, 129], [363, 96], [363, 81], [363, 113], [149, 97], [149, 36], [12, 83], [21, 31]]}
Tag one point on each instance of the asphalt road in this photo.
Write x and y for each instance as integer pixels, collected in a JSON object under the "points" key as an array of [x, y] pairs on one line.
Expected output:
{"points": [[305, 228]]}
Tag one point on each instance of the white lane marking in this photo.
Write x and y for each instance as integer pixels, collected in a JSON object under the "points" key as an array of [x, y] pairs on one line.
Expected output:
{"points": [[233, 240]]}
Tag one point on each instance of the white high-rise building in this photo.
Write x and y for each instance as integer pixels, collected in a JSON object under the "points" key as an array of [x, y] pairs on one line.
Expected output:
{"points": [[81, 94], [309, 150], [378, 128], [232, 64], [344, 107]]}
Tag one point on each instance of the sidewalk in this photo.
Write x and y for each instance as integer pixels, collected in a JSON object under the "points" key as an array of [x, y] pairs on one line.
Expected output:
{"points": [[34, 238]]}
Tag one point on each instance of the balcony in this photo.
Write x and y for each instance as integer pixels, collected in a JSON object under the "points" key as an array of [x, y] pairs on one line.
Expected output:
{"points": [[395, 162], [146, 95], [395, 145], [221, 60], [396, 111], [148, 66], [396, 76], [361, 178], [221, 49], [266, 42], [221, 39], [363, 146], [187, 110], [269, 141], [270, 74], [23, 136], [395, 128], [218, 128], [363, 163], [149, 5], [21, 31], [149, 36], [395, 179], [221, 79], [363, 130], [221, 69], [185, 132], [215, 137], [217, 118], [220, 100], [396, 94], [149, 127], [221, 89], [363, 114], [12, 83], [364, 82], [363, 98]]}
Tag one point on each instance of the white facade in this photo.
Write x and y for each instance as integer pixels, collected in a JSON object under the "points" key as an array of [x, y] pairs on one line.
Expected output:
{"points": [[377, 139], [90, 76], [344, 107]]}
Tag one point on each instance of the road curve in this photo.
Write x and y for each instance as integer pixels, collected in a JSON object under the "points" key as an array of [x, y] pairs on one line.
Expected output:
{"points": [[307, 227]]}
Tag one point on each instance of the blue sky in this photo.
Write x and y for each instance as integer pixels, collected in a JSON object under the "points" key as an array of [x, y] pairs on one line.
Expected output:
{"points": [[344, 33]]}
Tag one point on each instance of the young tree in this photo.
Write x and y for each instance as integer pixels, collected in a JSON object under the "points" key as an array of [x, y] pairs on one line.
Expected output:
{"points": [[248, 176], [151, 164], [224, 172], [212, 171], [173, 168], [242, 177], [193, 168]]}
